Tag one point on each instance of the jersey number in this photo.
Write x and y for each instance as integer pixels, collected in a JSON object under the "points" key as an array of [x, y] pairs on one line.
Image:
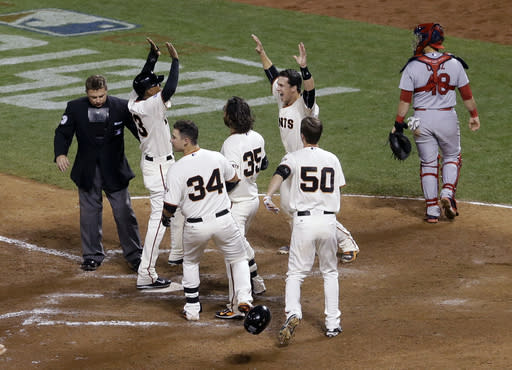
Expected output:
{"points": [[440, 85], [197, 182], [311, 182], [140, 126], [253, 160]]}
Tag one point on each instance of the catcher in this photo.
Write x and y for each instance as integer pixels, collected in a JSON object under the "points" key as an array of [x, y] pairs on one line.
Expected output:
{"points": [[429, 79]]}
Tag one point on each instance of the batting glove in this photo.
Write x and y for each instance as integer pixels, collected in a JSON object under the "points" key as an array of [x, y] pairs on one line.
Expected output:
{"points": [[267, 201]]}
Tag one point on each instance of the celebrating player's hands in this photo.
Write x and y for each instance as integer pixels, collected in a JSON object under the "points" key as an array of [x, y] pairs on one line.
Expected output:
{"points": [[301, 59], [153, 46], [172, 51], [259, 46], [62, 162], [267, 201]]}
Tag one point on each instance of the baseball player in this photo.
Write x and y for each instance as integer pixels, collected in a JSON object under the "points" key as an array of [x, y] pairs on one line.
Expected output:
{"points": [[315, 177], [245, 150], [198, 184], [148, 104], [429, 79], [293, 107]]}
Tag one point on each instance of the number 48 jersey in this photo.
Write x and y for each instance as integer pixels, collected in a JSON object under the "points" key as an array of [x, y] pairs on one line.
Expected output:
{"points": [[434, 89], [245, 152], [316, 177]]}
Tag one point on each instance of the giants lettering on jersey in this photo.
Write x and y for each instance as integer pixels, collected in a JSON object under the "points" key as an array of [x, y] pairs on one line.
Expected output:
{"points": [[285, 122]]}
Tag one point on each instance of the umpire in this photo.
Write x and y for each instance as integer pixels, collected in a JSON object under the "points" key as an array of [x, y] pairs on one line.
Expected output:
{"points": [[98, 121]]}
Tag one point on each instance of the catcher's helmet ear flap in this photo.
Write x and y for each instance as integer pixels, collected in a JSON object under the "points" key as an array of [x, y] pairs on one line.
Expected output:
{"points": [[257, 319], [145, 81], [428, 34]]}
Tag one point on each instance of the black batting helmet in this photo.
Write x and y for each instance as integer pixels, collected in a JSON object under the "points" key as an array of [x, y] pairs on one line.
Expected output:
{"points": [[257, 319], [428, 34], [144, 81]]}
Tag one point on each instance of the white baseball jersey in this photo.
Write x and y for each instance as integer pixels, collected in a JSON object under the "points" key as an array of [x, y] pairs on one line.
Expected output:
{"points": [[149, 116], [290, 118], [315, 180], [434, 92], [245, 153], [195, 183]]}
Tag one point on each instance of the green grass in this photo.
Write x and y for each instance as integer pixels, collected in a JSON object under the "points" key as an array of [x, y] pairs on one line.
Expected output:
{"points": [[340, 53]]}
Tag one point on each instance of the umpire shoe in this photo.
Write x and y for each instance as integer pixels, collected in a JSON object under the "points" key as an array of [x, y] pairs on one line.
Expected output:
{"points": [[90, 265], [288, 329], [450, 207], [229, 314], [348, 257], [333, 332], [158, 284]]}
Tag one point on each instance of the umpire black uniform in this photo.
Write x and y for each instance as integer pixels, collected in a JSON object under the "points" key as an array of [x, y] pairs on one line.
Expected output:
{"points": [[101, 164]]}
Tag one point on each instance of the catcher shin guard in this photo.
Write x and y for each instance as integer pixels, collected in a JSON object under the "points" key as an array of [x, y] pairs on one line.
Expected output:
{"points": [[430, 186], [450, 175]]}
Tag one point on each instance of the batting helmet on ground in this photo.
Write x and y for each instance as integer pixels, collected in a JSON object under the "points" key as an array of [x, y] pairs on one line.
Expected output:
{"points": [[428, 34], [257, 319], [145, 81]]}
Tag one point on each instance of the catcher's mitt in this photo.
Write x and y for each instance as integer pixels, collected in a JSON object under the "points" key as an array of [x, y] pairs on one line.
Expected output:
{"points": [[400, 145]]}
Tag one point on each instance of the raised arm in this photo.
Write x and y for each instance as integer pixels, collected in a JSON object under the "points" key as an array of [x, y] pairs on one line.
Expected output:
{"points": [[268, 67], [172, 81], [153, 55]]}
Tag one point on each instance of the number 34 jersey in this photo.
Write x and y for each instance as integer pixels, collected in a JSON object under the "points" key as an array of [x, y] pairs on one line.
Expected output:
{"points": [[195, 183], [316, 177], [150, 116], [245, 152]]}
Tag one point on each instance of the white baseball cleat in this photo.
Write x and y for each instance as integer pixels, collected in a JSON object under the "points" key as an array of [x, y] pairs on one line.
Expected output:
{"points": [[333, 332]]}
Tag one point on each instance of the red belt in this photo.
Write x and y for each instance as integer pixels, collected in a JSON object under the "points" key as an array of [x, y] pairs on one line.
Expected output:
{"points": [[450, 108]]}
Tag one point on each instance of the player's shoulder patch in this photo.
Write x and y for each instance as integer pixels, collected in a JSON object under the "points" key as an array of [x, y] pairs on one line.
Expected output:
{"points": [[64, 119]]}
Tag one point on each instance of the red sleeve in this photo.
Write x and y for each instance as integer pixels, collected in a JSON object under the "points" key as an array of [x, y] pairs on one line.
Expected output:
{"points": [[465, 92], [406, 96]]}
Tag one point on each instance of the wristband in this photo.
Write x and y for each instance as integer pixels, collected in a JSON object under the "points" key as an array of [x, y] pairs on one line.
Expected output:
{"points": [[306, 75], [473, 113], [399, 118]]}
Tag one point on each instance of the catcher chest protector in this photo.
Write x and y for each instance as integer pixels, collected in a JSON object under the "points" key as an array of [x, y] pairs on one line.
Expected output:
{"points": [[257, 319]]}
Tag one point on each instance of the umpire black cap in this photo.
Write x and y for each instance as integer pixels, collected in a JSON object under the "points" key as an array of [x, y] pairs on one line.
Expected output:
{"points": [[145, 81]]}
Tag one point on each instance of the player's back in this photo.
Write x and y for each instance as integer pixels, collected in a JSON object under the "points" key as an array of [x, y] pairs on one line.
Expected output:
{"points": [[245, 152], [316, 179], [434, 92], [150, 116], [196, 183]]}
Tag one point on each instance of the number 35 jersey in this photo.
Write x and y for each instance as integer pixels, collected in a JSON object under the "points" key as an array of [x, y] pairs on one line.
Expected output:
{"points": [[316, 177], [245, 152], [434, 90], [150, 116], [195, 183]]}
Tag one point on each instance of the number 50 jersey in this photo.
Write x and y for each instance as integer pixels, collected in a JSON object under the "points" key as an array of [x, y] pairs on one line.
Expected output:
{"points": [[316, 177]]}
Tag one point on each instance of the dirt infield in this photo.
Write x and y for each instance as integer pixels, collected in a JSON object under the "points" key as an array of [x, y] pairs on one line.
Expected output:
{"points": [[419, 296]]}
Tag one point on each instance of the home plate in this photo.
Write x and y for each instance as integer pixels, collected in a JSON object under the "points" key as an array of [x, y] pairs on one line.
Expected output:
{"points": [[174, 287]]}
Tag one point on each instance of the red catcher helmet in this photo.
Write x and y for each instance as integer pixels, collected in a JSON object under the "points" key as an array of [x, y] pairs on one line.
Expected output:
{"points": [[428, 34]]}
